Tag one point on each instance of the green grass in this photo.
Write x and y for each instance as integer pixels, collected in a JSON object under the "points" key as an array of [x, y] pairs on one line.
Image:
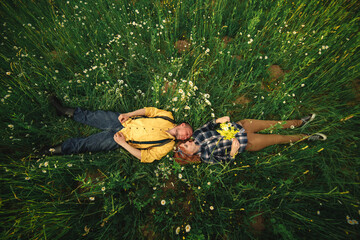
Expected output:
{"points": [[121, 56]]}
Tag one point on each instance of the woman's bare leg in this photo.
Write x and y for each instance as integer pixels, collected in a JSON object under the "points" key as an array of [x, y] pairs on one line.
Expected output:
{"points": [[257, 142], [254, 125]]}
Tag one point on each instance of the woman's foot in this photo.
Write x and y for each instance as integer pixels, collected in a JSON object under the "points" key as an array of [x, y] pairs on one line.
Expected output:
{"points": [[305, 120]]}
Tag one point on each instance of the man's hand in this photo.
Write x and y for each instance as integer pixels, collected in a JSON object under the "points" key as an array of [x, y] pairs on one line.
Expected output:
{"points": [[223, 119], [119, 138], [234, 147], [123, 117]]}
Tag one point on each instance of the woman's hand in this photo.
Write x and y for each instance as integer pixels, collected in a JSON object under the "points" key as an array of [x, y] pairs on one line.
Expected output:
{"points": [[223, 119], [119, 138], [123, 117], [234, 147]]}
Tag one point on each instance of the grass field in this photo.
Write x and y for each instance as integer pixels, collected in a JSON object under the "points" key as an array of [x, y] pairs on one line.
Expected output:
{"points": [[200, 60]]}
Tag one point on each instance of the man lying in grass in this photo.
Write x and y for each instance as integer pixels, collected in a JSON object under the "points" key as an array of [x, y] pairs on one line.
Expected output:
{"points": [[218, 144], [148, 133]]}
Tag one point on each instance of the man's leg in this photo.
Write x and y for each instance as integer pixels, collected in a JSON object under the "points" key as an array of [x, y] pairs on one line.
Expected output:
{"points": [[103, 141], [257, 142], [99, 119], [254, 125], [104, 120]]}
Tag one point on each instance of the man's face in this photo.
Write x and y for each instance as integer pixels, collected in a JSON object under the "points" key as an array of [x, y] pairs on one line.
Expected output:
{"points": [[183, 132]]}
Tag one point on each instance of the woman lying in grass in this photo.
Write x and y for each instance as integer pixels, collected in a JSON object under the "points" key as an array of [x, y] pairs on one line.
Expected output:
{"points": [[218, 141]]}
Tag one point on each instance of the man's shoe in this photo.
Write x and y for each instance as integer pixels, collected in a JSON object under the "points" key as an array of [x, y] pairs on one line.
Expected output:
{"points": [[307, 119], [60, 109], [317, 137], [48, 151]]}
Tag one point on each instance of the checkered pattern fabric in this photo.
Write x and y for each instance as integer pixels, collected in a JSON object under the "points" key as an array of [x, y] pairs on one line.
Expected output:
{"points": [[213, 147]]}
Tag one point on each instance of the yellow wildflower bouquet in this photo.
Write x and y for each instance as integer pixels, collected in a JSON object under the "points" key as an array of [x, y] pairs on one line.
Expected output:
{"points": [[227, 131]]}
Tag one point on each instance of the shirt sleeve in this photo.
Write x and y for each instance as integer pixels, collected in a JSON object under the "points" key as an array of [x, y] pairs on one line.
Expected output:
{"points": [[215, 158], [206, 127], [223, 155], [154, 112], [227, 158], [156, 153], [219, 159]]}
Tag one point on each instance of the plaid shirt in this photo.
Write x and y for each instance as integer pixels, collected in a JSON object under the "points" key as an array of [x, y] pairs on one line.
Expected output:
{"points": [[213, 147]]}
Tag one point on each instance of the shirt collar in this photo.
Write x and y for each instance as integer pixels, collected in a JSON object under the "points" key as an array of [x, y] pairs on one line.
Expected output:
{"points": [[201, 150]]}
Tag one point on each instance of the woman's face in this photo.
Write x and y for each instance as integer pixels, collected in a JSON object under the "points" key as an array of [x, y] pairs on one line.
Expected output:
{"points": [[189, 147]]}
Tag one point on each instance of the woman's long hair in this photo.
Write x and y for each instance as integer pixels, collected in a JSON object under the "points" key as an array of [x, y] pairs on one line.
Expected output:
{"points": [[184, 158]]}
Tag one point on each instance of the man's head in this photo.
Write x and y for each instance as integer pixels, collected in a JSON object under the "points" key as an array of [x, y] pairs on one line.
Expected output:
{"points": [[183, 131]]}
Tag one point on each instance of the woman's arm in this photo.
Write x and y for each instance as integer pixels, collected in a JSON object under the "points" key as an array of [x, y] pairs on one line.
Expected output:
{"points": [[234, 147], [206, 127], [216, 159], [223, 119], [211, 124], [222, 156]]}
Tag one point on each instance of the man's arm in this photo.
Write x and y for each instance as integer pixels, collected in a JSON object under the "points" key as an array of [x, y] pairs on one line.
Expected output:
{"points": [[156, 153], [120, 139], [125, 116], [149, 155], [155, 112], [134, 151]]}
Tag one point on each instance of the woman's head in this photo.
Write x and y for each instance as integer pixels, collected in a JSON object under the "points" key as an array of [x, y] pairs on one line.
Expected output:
{"points": [[189, 147], [184, 153]]}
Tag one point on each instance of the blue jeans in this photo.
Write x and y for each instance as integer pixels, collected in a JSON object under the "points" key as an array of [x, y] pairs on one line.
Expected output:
{"points": [[103, 141]]}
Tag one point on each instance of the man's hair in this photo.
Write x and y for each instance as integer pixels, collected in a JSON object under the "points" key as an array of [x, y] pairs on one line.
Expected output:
{"points": [[184, 158], [188, 125]]}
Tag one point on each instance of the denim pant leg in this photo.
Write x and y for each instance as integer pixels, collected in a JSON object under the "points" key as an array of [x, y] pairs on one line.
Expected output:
{"points": [[104, 120], [103, 141]]}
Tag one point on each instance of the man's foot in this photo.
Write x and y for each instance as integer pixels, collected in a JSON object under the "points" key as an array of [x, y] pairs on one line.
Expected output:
{"points": [[317, 137], [60, 109], [48, 151], [305, 120]]}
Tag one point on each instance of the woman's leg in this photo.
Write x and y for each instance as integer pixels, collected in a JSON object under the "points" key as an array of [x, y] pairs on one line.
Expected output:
{"points": [[257, 142], [254, 125], [104, 120]]}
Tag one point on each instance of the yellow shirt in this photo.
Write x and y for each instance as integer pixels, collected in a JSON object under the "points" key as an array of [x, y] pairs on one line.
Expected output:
{"points": [[149, 130]]}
